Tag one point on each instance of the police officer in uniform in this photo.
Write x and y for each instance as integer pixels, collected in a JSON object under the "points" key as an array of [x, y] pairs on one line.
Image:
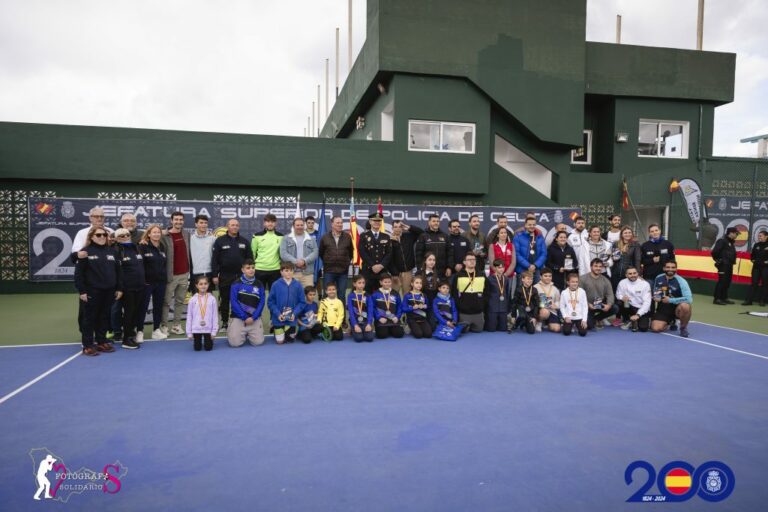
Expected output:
{"points": [[375, 251]]}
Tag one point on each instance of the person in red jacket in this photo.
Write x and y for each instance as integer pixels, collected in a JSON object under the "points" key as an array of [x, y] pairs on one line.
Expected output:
{"points": [[505, 251]]}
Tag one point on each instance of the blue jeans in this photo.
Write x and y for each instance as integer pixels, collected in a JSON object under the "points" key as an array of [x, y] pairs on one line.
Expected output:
{"points": [[340, 279]]}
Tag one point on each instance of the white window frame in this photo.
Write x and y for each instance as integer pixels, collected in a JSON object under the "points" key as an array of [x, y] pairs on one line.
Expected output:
{"points": [[658, 122], [589, 150], [411, 122]]}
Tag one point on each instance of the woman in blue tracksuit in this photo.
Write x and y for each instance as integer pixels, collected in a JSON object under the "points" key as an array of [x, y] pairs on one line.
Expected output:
{"points": [[98, 279], [153, 253]]}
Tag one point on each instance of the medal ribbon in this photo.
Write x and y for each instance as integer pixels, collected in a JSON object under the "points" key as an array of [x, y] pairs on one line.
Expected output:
{"points": [[202, 304]]}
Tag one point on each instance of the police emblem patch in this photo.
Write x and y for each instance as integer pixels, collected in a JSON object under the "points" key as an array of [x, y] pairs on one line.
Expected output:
{"points": [[67, 210]]}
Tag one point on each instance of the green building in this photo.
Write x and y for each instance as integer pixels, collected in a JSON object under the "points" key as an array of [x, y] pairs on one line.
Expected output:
{"points": [[500, 102]]}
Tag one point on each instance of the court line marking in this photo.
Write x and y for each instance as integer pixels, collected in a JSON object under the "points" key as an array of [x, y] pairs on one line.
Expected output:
{"points": [[730, 328], [715, 345], [38, 378], [78, 343]]}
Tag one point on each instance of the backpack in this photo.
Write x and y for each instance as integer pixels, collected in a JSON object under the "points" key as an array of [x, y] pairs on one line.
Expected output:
{"points": [[447, 333]]}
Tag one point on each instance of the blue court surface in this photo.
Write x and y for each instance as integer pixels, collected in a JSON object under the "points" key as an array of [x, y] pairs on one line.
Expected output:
{"points": [[494, 422]]}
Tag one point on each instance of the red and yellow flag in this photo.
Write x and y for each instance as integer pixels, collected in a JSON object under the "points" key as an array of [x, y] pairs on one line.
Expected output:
{"points": [[678, 481], [353, 232]]}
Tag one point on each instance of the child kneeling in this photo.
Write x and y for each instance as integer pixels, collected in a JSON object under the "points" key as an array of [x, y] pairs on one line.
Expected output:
{"points": [[331, 314], [286, 302], [387, 310], [573, 306], [247, 300], [360, 307], [309, 327]]}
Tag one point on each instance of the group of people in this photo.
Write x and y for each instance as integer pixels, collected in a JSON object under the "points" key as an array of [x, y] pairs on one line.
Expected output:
{"points": [[426, 282]]}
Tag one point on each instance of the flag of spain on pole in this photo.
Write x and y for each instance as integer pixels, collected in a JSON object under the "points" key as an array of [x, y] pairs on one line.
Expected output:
{"points": [[353, 232]]}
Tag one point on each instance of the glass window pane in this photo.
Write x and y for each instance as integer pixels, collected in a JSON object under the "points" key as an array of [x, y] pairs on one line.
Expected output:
{"points": [[581, 155], [458, 138], [646, 144], [425, 136], [672, 140]]}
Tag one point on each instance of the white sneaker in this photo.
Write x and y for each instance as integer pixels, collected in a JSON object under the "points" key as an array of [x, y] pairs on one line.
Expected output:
{"points": [[223, 328], [279, 335], [538, 327], [139, 337], [177, 329], [158, 334], [625, 326], [164, 330], [606, 323]]}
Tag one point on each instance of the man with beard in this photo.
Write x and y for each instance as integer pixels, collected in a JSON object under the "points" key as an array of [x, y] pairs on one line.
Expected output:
{"points": [[459, 244], [614, 232], [673, 300], [579, 234], [477, 242], [435, 241], [634, 298], [655, 253], [501, 223]]}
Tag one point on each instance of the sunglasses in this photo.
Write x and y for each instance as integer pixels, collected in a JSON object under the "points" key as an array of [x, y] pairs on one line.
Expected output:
{"points": [[99, 235], [123, 236]]}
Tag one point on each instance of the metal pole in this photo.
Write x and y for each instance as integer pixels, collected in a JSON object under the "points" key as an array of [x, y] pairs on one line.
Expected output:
{"points": [[326, 89], [313, 119], [618, 29], [318, 110], [700, 27], [349, 49], [337, 62], [309, 132], [752, 209]]}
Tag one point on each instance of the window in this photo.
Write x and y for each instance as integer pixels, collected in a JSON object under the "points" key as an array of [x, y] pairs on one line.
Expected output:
{"points": [[583, 155], [439, 136], [662, 139]]}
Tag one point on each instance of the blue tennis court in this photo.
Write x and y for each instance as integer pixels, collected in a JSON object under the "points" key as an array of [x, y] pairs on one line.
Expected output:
{"points": [[492, 422]]}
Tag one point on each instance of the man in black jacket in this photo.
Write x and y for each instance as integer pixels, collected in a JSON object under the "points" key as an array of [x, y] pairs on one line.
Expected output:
{"points": [[435, 241], [227, 257], [376, 252], [724, 254], [336, 251], [655, 252], [460, 246], [403, 260], [759, 259]]}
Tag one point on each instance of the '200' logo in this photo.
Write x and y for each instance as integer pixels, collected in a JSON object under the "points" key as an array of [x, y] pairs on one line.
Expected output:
{"points": [[678, 481]]}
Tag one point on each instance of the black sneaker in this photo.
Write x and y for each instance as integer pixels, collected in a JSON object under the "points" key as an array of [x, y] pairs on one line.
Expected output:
{"points": [[729, 301], [746, 303], [118, 336], [634, 326], [131, 344], [673, 326]]}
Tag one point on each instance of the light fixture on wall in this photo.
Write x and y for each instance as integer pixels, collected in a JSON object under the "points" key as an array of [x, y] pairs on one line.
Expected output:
{"points": [[622, 137], [360, 123], [382, 88]]}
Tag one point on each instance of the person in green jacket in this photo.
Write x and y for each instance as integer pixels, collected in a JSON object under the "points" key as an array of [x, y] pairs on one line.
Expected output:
{"points": [[266, 252]]}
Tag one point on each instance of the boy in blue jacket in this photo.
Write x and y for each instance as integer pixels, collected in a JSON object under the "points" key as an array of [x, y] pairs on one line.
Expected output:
{"points": [[286, 302], [309, 327], [387, 310], [246, 297], [360, 311]]}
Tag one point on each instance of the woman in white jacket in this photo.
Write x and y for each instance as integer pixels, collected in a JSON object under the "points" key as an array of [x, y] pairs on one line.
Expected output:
{"points": [[595, 247]]}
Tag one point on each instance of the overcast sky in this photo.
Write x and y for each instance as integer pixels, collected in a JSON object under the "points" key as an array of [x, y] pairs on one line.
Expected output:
{"points": [[253, 66]]}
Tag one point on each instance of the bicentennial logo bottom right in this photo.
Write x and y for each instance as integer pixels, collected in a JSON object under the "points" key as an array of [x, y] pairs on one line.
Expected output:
{"points": [[679, 481]]}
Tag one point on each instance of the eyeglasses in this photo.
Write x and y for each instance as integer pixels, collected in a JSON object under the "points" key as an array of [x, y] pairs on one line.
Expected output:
{"points": [[97, 216], [99, 235], [123, 236]]}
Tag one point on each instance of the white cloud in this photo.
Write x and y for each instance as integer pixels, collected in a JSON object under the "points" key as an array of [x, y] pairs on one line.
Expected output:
{"points": [[252, 66]]}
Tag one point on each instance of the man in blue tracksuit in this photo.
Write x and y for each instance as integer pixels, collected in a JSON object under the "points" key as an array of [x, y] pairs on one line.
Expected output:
{"points": [[530, 250], [673, 299]]}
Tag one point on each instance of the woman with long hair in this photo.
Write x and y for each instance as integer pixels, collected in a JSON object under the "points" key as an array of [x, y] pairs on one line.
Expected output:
{"points": [[153, 251], [625, 253], [505, 251], [562, 259]]}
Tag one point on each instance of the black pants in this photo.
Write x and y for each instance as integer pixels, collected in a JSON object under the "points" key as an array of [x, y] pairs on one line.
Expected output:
{"points": [[758, 274], [362, 336], [337, 334], [627, 311], [201, 339], [420, 328], [387, 330], [496, 322], [96, 313], [307, 335], [524, 323], [724, 278], [133, 307], [371, 282], [599, 315], [267, 277], [225, 287], [568, 328]]}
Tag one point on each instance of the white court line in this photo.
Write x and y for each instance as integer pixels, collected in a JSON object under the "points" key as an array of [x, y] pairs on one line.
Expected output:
{"points": [[714, 345], [41, 345], [730, 328], [78, 343], [38, 378]]}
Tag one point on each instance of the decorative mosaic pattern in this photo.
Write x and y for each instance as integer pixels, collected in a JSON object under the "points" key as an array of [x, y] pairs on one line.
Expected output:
{"points": [[14, 236]]}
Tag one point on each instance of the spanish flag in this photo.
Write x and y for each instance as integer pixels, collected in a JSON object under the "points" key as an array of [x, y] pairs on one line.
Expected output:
{"points": [[380, 210], [624, 195], [44, 208], [678, 481]]}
